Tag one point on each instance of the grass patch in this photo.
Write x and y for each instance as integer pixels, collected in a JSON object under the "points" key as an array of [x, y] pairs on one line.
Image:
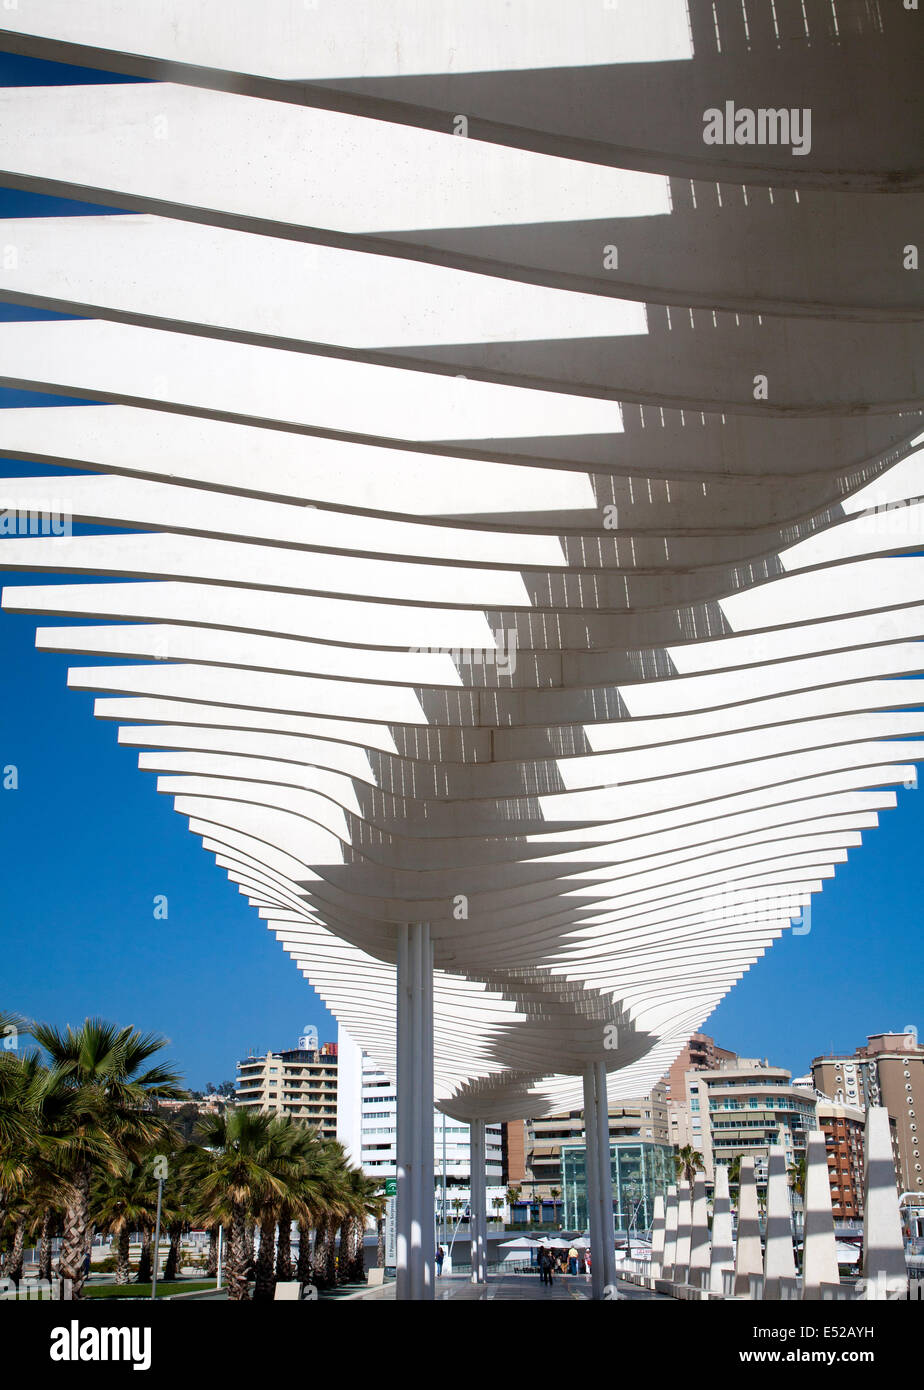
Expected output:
{"points": [[144, 1290]]}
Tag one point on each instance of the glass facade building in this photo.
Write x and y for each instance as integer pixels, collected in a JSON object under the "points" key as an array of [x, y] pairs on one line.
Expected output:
{"points": [[641, 1171]]}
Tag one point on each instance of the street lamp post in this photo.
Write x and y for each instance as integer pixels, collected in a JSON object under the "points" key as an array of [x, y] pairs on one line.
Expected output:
{"points": [[160, 1168]]}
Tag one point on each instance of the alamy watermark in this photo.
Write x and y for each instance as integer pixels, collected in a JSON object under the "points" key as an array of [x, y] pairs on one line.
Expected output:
{"points": [[765, 125], [45, 516], [503, 655], [727, 904]]}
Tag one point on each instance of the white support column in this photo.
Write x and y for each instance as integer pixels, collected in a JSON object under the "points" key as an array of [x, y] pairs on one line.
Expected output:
{"points": [[478, 1191], [592, 1164], [819, 1250], [779, 1261], [605, 1177], [699, 1235], [428, 1172], [416, 1234], [657, 1238], [684, 1233], [884, 1270], [748, 1259], [405, 1126], [723, 1249], [670, 1232]]}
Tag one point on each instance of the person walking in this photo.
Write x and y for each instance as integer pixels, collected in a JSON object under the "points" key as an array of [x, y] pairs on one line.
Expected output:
{"points": [[572, 1260], [545, 1265], [440, 1254]]}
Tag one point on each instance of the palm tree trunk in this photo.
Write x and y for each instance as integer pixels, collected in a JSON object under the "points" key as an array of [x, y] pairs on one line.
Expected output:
{"points": [[325, 1253], [45, 1247], [123, 1273], [75, 1246], [380, 1250], [238, 1289], [249, 1233], [284, 1246], [14, 1260], [211, 1267], [304, 1270], [342, 1272], [144, 1259], [358, 1266], [319, 1257], [330, 1254], [173, 1254], [265, 1281]]}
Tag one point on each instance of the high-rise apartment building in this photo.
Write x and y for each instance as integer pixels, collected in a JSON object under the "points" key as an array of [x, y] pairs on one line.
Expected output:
{"points": [[744, 1106], [843, 1127], [301, 1082], [368, 1128], [888, 1071]]}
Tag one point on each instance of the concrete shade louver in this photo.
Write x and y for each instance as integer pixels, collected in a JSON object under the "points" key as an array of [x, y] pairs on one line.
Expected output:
{"points": [[512, 531]]}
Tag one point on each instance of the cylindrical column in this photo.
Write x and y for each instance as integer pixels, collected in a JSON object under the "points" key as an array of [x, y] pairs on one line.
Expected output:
{"points": [[478, 1190], [415, 1155], [404, 1146], [605, 1178], [428, 1152], [592, 1164]]}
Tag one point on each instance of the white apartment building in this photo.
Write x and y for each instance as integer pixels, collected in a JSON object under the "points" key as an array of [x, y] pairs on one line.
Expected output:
{"points": [[369, 1132]]}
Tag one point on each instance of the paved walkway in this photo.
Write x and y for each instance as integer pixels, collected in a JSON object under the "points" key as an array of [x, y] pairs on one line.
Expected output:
{"points": [[516, 1288]]}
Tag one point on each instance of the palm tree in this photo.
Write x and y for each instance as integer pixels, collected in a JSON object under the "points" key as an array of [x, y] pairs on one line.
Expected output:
{"points": [[239, 1176], [211, 1264], [335, 1205], [797, 1174], [104, 1068], [11, 1262], [498, 1204], [734, 1173], [367, 1200], [122, 1201], [38, 1107], [179, 1202], [287, 1155], [688, 1162]]}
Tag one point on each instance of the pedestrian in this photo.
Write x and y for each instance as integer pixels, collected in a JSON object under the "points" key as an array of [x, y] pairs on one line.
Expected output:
{"points": [[440, 1255], [545, 1265]]}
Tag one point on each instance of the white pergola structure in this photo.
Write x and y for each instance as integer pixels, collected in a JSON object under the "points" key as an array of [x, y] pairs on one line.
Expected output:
{"points": [[512, 501]]}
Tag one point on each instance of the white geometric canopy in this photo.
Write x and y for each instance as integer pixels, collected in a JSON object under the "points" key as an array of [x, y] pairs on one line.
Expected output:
{"points": [[514, 526]]}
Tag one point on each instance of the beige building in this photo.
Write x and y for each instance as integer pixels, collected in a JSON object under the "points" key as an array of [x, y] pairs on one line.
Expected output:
{"points": [[301, 1082], [742, 1107], [644, 1118], [888, 1071], [701, 1053]]}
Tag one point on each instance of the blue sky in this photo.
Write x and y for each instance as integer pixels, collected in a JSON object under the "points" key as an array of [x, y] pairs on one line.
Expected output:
{"points": [[88, 845]]}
